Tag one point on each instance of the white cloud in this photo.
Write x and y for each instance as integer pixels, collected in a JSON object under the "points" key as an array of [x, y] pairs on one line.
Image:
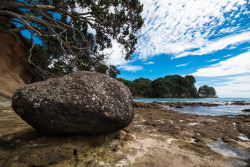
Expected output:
{"points": [[180, 26], [116, 56], [213, 60], [228, 55], [219, 44], [182, 65], [150, 62], [235, 87], [228, 30], [236, 65], [130, 68]]}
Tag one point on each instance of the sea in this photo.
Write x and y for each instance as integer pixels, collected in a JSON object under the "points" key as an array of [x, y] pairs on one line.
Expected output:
{"points": [[225, 105]]}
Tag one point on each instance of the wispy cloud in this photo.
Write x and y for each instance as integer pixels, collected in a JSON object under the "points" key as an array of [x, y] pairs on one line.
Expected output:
{"points": [[213, 60], [147, 63], [222, 43], [235, 87], [228, 30], [236, 65], [130, 68], [182, 65], [229, 55], [190, 27]]}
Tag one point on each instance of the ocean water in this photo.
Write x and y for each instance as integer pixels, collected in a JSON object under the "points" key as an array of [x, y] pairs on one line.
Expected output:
{"points": [[224, 108]]}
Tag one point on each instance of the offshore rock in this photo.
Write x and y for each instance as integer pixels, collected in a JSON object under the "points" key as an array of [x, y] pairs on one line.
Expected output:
{"points": [[246, 110], [77, 103]]}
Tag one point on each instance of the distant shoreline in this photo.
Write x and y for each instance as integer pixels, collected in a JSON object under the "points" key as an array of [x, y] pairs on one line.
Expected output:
{"points": [[222, 99], [174, 97]]}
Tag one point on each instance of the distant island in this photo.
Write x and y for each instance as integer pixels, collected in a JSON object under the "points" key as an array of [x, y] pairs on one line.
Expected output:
{"points": [[170, 86]]}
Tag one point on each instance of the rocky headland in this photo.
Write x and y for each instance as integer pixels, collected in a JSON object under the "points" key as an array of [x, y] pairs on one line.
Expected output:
{"points": [[156, 137]]}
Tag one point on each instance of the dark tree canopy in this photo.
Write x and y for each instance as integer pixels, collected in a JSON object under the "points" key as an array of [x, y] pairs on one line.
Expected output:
{"points": [[139, 87], [174, 86], [168, 86], [142, 87], [75, 31]]}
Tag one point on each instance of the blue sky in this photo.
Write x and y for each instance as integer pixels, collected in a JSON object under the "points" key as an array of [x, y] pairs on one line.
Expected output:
{"points": [[209, 39]]}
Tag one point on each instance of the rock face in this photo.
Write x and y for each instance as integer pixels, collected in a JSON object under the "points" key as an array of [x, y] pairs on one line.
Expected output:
{"points": [[13, 66], [77, 103], [15, 71], [246, 110]]}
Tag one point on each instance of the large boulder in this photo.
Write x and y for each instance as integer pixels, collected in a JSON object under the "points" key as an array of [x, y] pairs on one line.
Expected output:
{"points": [[77, 103]]}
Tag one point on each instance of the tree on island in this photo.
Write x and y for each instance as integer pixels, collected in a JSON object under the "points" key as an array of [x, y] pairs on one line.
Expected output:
{"points": [[73, 32], [174, 86], [206, 91], [168, 86], [140, 87]]}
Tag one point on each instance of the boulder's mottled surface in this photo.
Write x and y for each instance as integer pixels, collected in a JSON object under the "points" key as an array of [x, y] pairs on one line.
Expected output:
{"points": [[77, 103]]}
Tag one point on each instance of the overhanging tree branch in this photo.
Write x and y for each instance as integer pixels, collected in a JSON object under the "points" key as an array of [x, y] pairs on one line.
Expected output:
{"points": [[63, 25]]}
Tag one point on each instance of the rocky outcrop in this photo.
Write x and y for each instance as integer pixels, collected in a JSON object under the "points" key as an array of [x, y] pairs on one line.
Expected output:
{"points": [[77, 103], [207, 96], [207, 92], [161, 105], [241, 103], [246, 110]]}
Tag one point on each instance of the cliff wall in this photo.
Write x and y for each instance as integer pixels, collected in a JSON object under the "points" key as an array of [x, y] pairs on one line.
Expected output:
{"points": [[14, 68]]}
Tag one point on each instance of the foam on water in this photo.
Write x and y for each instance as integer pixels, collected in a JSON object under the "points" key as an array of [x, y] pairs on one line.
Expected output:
{"points": [[215, 111], [243, 137]]}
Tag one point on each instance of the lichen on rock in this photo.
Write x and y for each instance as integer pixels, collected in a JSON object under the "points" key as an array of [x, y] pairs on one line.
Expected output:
{"points": [[77, 103]]}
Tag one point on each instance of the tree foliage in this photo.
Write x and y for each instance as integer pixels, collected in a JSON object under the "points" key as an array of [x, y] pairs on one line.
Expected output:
{"points": [[206, 91], [139, 87], [75, 32], [169, 86], [113, 71], [174, 86]]}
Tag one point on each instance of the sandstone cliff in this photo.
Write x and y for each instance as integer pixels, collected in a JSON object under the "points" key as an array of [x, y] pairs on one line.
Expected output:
{"points": [[14, 65], [15, 70]]}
